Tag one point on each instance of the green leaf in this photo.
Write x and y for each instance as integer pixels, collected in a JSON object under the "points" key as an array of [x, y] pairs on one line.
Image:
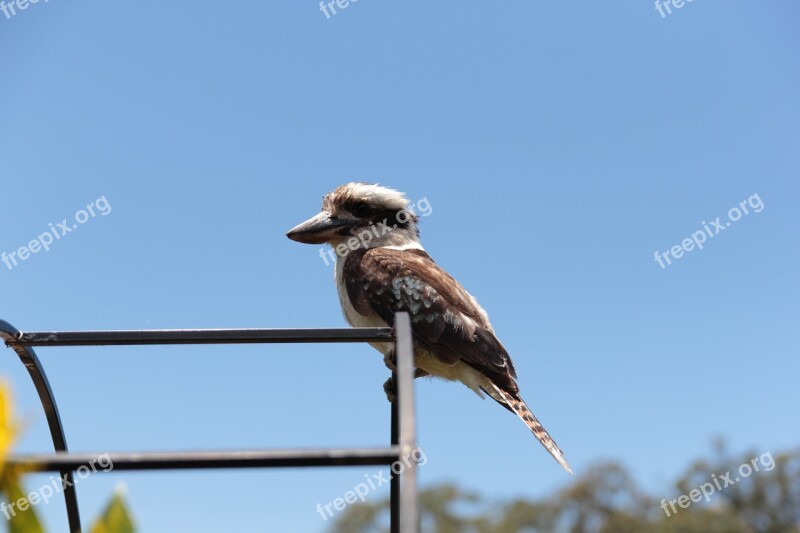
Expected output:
{"points": [[115, 517]]}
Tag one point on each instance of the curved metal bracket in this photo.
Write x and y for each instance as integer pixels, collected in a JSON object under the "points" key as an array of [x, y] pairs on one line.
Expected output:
{"points": [[404, 506], [28, 357]]}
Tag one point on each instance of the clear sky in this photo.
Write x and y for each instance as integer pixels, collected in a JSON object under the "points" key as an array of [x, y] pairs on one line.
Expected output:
{"points": [[559, 145]]}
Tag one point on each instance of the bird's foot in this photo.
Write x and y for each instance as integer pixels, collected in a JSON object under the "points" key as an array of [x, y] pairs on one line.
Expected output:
{"points": [[391, 390]]}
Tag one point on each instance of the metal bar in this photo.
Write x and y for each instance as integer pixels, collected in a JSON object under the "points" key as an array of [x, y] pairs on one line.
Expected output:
{"points": [[199, 336], [206, 459], [39, 378], [394, 482], [404, 505], [409, 509]]}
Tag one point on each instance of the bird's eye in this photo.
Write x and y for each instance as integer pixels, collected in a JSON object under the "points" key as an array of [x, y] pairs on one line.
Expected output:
{"points": [[361, 210]]}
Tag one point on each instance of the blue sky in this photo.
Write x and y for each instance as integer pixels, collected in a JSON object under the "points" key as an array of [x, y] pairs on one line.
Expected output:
{"points": [[559, 146]]}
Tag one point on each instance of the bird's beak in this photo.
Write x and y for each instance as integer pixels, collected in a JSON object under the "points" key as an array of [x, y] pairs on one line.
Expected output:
{"points": [[317, 229]]}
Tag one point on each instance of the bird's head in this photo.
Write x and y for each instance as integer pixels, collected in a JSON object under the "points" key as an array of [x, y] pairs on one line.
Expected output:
{"points": [[363, 213]]}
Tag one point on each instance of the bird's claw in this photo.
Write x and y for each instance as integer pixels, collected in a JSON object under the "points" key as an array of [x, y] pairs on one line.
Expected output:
{"points": [[389, 389]]}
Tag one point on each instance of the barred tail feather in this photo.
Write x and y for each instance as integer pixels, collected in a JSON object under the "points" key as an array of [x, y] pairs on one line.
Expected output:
{"points": [[518, 406]]}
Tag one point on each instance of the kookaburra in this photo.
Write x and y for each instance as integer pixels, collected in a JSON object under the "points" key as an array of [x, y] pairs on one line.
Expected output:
{"points": [[381, 268]]}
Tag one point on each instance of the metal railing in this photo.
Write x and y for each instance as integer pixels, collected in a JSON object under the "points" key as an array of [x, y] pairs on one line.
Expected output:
{"points": [[404, 511]]}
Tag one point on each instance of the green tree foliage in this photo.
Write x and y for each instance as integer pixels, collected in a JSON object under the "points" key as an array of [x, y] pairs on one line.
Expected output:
{"points": [[606, 499]]}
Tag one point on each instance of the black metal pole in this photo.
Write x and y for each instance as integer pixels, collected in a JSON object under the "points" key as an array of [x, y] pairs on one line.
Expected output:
{"points": [[394, 486], [199, 336], [48, 400], [404, 507], [106, 462]]}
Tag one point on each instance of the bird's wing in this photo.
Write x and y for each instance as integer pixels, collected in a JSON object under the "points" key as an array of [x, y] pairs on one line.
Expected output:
{"points": [[446, 320]]}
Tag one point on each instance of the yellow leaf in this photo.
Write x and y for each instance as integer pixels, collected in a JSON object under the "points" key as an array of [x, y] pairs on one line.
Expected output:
{"points": [[19, 520], [8, 424]]}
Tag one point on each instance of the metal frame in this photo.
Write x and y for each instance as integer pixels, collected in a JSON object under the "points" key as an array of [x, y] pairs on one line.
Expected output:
{"points": [[404, 510]]}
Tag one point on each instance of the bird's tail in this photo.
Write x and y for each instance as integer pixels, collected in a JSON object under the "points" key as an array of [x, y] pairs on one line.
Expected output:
{"points": [[518, 406]]}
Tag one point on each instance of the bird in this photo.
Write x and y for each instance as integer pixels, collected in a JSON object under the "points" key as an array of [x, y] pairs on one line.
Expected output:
{"points": [[382, 268]]}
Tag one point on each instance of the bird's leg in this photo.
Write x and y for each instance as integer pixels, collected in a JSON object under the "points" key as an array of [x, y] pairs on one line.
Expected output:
{"points": [[391, 391]]}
